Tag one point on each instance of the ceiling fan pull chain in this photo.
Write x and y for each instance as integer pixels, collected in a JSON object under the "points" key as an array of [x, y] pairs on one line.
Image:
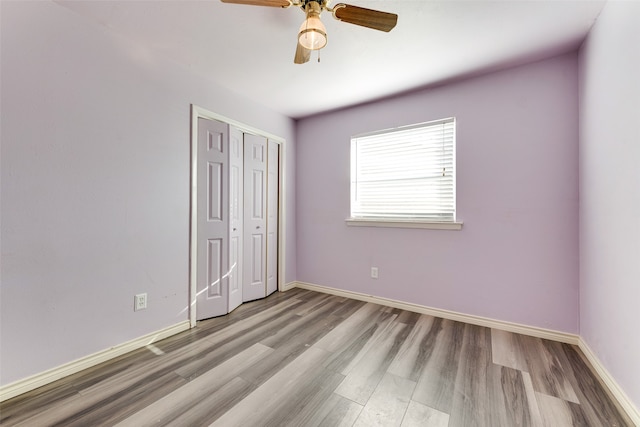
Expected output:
{"points": [[318, 55]]}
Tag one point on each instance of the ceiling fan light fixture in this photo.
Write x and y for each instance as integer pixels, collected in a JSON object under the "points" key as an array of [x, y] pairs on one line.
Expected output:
{"points": [[312, 34]]}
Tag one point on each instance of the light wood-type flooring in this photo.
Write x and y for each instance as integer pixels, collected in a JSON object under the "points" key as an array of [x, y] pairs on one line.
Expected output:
{"points": [[303, 358]]}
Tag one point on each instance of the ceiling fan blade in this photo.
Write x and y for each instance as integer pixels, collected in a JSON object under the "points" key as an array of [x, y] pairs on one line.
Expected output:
{"points": [[271, 3], [369, 18], [302, 54]]}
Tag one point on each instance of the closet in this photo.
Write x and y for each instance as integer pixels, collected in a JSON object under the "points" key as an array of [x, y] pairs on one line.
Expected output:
{"points": [[236, 207]]}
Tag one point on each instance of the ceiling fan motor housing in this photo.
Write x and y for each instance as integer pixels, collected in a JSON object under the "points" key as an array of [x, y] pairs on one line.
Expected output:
{"points": [[321, 4]]}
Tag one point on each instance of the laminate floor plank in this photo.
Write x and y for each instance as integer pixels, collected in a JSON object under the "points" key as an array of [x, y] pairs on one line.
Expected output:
{"points": [[419, 415], [307, 329], [307, 359], [469, 407], [270, 397], [297, 334], [223, 328], [302, 294], [210, 407], [47, 414], [384, 335], [101, 409], [532, 401], [507, 399], [366, 370], [437, 380], [272, 364], [556, 412], [301, 408], [117, 366], [341, 336], [316, 302], [594, 401], [141, 373], [340, 359], [416, 350], [348, 308], [546, 371], [388, 403], [507, 350], [182, 400], [117, 407], [44, 399], [336, 411], [287, 349], [409, 317], [246, 324], [222, 349]]}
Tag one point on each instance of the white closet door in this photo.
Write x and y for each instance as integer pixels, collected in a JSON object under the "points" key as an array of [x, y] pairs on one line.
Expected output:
{"points": [[213, 221], [236, 203], [272, 216], [255, 224]]}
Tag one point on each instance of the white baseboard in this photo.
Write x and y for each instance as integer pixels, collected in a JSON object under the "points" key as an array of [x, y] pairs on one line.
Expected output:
{"points": [[288, 286], [446, 314], [30, 383], [623, 400]]}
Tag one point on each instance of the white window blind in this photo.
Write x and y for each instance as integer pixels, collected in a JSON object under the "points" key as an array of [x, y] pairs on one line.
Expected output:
{"points": [[405, 173]]}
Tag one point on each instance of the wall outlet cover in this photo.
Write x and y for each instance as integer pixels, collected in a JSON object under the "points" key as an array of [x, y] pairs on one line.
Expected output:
{"points": [[140, 302]]}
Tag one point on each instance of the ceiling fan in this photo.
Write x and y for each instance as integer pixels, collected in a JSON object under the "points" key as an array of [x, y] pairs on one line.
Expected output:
{"points": [[313, 34]]}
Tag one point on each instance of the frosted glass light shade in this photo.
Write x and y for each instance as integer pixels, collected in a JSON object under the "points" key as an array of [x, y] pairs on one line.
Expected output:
{"points": [[313, 34]]}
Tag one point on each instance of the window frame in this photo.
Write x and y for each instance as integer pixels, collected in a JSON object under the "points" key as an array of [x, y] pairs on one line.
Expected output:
{"points": [[405, 222]]}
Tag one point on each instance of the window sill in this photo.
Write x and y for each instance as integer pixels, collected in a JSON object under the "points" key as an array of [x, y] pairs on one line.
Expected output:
{"points": [[403, 223]]}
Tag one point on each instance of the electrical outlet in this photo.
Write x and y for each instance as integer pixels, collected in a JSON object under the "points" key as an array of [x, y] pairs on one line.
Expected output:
{"points": [[374, 272], [140, 302]]}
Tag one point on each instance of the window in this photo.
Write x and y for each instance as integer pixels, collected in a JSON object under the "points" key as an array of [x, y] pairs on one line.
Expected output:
{"points": [[405, 174]]}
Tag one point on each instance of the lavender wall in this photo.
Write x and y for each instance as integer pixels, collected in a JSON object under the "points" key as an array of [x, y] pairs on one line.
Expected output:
{"points": [[95, 186], [610, 193], [516, 258]]}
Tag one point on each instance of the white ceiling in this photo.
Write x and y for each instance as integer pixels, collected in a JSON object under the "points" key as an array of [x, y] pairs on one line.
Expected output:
{"points": [[250, 49]]}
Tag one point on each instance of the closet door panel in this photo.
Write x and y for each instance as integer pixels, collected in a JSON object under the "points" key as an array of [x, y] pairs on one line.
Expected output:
{"points": [[255, 218], [236, 207], [213, 221], [273, 159]]}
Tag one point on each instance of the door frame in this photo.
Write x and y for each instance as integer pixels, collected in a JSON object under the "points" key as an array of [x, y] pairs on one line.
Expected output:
{"points": [[199, 112]]}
